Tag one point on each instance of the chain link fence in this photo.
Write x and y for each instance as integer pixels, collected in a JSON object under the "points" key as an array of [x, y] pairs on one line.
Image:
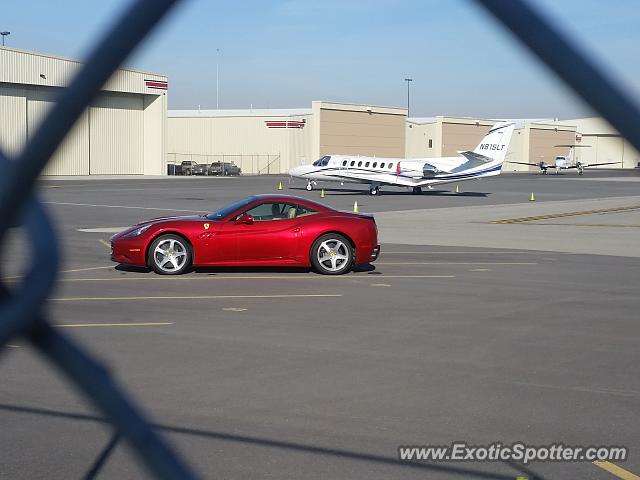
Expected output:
{"points": [[257, 164], [23, 309]]}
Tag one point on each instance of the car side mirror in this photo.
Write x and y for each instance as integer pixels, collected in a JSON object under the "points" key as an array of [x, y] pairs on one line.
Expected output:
{"points": [[245, 219]]}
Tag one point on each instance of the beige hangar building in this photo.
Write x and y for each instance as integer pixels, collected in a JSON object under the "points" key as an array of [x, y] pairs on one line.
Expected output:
{"points": [[122, 132], [273, 140]]}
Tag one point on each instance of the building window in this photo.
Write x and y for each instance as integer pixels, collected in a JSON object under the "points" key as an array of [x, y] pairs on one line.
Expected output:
{"points": [[430, 143]]}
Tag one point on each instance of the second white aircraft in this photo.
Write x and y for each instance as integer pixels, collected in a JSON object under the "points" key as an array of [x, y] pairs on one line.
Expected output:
{"points": [[484, 161]]}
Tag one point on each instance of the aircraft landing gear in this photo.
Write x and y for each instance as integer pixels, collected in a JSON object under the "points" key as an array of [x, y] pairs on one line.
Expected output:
{"points": [[309, 186], [374, 190], [416, 190], [430, 187]]}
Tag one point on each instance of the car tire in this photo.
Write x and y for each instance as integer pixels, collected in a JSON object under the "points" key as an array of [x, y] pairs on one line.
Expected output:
{"points": [[332, 254], [170, 255]]}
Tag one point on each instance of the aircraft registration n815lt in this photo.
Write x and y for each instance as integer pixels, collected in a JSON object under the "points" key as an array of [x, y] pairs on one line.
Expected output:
{"points": [[484, 161]]}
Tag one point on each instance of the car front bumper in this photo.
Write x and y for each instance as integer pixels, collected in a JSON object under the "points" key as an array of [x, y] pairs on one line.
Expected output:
{"points": [[128, 251]]}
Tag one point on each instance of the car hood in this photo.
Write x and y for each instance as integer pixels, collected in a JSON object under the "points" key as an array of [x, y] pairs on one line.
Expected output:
{"points": [[153, 221], [179, 218]]}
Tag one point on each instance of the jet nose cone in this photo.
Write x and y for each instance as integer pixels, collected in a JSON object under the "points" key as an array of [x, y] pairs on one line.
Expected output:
{"points": [[297, 171]]}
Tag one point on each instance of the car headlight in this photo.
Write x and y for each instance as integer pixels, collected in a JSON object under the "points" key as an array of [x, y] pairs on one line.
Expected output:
{"points": [[137, 231]]}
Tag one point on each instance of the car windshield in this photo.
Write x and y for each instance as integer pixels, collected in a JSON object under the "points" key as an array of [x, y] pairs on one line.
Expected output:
{"points": [[225, 211]]}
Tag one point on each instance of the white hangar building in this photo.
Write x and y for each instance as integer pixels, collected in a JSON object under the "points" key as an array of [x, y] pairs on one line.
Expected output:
{"points": [[122, 133]]}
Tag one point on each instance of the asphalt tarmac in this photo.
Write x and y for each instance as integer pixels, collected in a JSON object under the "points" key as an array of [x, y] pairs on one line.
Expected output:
{"points": [[280, 373]]}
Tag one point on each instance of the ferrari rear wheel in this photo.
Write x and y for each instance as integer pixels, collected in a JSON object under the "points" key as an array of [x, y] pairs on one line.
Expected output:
{"points": [[331, 254], [170, 255]]}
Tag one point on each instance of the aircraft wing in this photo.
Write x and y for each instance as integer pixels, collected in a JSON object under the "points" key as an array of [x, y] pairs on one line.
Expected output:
{"points": [[365, 178], [533, 164], [598, 164]]}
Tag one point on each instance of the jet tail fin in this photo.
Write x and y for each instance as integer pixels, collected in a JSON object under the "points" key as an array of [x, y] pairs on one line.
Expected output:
{"points": [[495, 144]]}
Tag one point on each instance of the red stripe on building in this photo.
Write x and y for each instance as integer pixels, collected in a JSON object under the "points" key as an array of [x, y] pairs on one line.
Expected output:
{"points": [[284, 124], [156, 84]]}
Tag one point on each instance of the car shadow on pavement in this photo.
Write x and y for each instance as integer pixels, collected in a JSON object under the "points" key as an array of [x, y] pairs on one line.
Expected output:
{"points": [[217, 270], [131, 269]]}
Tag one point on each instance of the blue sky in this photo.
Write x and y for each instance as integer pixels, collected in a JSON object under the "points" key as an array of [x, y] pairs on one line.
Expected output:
{"points": [[282, 54]]}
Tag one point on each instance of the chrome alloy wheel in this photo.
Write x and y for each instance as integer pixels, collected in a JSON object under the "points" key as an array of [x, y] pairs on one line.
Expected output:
{"points": [[170, 255], [333, 255]]}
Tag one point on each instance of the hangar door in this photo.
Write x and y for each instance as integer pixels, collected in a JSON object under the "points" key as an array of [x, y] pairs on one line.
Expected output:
{"points": [[13, 120], [610, 149], [542, 144], [116, 135], [72, 157]]}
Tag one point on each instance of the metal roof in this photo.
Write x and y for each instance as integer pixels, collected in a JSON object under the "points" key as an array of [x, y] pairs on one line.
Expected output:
{"points": [[261, 112]]}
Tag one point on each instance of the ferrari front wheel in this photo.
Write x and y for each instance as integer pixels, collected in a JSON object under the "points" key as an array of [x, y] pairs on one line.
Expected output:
{"points": [[331, 254], [170, 255]]}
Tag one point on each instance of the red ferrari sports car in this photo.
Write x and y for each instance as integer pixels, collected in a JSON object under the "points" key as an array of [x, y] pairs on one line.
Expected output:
{"points": [[261, 230]]}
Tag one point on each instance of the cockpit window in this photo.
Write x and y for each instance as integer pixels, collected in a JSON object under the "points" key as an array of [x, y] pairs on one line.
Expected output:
{"points": [[322, 162]]}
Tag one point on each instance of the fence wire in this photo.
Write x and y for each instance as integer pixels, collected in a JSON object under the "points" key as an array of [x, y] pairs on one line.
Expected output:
{"points": [[22, 308]]}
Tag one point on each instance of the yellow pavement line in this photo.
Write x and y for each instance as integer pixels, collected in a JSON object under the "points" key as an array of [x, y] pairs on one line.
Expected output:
{"points": [[234, 309], [457, 263], [193, 297], [144, 324], [480, 252], [10, 345], [63, 271], [589, 225], [63, 186], [105, 243], [566, 214], [380, 285], [244, 277], [616, 470], [87, 269]]}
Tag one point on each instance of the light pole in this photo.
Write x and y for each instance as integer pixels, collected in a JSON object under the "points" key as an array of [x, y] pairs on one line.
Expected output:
{"points": [[217, 78], [4, 34], [408, 80]]}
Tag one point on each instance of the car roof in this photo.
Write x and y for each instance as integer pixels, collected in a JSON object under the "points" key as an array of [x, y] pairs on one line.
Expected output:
{"points": [[291, 198]]}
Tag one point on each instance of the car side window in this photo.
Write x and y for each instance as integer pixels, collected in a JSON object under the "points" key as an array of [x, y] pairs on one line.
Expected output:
{"points": [[301, 211], [269, 211]]}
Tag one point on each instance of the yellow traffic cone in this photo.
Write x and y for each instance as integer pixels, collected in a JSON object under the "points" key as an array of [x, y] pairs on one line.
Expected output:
{"points": [[457, 188], [355, 207], [322, 193], [279, 185], [532, 198]]}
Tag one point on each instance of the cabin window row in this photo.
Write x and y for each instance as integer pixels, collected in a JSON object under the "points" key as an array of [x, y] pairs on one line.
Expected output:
{"points": [[367, 164]]}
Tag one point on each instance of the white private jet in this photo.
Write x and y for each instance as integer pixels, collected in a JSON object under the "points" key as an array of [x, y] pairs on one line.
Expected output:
{"points": [[565, 163], [485, 161]]}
